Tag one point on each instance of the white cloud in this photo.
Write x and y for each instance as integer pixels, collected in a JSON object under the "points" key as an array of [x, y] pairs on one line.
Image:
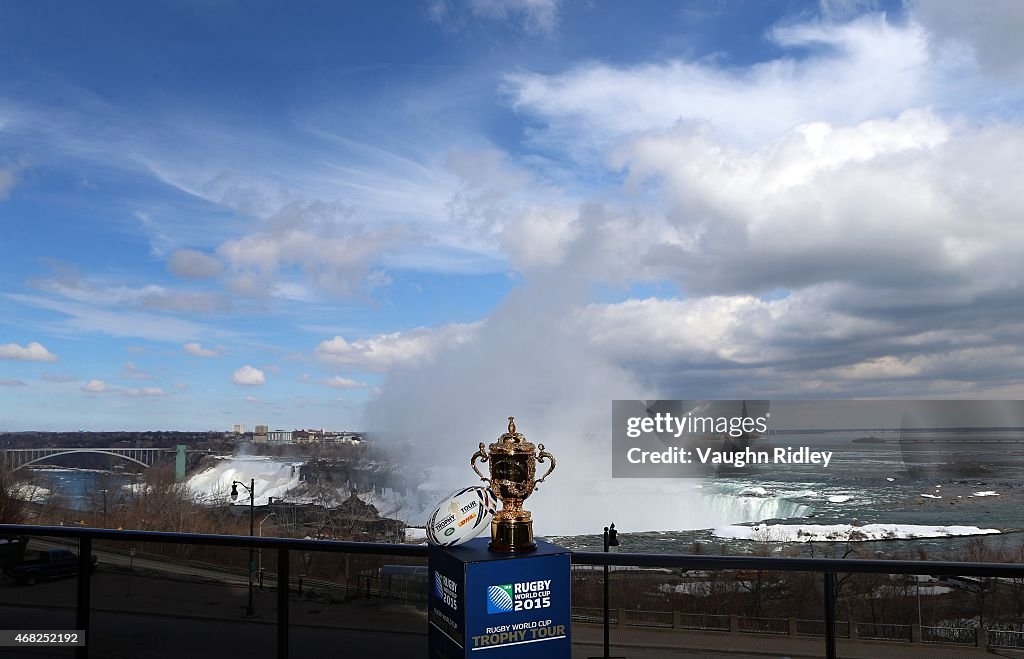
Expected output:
{"points": [[533, 223], [144, 392], [249, 376], [96, 387], [197, 350], [535, 16], [334, 255], [339, 382], [193, 265], [67, 283], [134, 324], [8, 179], [32, 352], [861, 70], [386, 351], [990, 29], [58, 377], [132, 372]]}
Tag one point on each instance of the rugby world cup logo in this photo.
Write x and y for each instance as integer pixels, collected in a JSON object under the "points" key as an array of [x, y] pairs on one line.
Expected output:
{"points": [[446, 591], [499, 599]]}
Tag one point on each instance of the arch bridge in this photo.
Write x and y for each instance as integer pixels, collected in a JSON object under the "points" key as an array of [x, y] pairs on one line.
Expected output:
{"points": [[14, 459]]}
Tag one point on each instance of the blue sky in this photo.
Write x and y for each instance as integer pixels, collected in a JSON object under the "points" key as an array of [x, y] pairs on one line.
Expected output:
{"points": [[340, 214]]}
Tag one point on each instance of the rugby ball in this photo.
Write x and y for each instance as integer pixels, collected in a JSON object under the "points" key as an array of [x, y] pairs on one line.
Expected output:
{"points": [[462, 515]]}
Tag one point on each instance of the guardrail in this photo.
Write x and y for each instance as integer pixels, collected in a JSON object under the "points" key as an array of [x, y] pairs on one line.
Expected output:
{"points": [[998, 638], [883, 631], [951, 635], [829, 628]]}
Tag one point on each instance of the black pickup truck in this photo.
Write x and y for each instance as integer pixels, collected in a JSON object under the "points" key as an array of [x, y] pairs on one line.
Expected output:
{"points": [[47, 564]]}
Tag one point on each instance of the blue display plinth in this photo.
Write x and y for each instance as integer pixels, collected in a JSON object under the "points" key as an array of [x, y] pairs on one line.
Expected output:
{"points": [[488, 605]]}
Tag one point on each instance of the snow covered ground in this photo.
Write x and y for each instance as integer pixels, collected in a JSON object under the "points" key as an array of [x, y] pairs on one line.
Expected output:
{"points": [[844, 532]]}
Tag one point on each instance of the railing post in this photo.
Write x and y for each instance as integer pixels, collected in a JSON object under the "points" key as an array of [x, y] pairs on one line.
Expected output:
{"points": [[981, 637], [830, 616], [734, 623], [915, 632], [791, 626], [852, 628], [282, 604], [84, 589], [677, 620]]}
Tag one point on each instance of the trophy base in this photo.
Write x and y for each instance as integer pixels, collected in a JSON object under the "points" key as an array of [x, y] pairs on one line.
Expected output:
{"points": [[511, 536]]}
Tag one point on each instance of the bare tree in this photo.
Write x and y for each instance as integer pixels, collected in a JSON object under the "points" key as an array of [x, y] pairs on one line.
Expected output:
{"points": [[12, 498]]}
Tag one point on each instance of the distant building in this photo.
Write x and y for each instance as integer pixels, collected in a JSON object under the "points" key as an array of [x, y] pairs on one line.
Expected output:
{"points": [[238, 428], [342, 438], [259, 434], [308, 436], [260, 429], [279, 436]]}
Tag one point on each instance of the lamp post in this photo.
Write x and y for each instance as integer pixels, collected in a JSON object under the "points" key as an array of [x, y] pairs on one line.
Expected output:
{"points": [[104, 508], [250, 610], [260, 554], [611, 544]]}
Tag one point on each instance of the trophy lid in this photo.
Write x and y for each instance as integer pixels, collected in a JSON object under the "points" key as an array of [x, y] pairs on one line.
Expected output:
{"points": [[512, 441]]}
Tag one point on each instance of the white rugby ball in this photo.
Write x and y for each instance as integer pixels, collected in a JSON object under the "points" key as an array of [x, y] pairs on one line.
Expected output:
{"points": [[463, 515]]}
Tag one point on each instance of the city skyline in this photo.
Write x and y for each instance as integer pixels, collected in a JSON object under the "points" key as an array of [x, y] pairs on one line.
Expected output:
{"points": [[385, 217]]}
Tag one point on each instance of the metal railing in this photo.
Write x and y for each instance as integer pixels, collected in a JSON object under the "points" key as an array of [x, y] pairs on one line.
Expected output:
{"points": [[883, 631], [703, 621], [950, 635], [998, 638], [826, 566]]}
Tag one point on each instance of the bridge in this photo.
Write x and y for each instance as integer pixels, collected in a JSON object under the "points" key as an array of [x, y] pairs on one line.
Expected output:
{"points": [[14, 459]]}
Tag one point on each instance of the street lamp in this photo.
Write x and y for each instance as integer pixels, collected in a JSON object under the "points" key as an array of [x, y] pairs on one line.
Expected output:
{"points": [[250, 610], [611, 545], [260, 553], [104, 508]]}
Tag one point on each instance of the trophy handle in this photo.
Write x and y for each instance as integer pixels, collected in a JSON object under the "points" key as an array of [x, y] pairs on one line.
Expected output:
{"points": [[541, 454], [482, 454]]}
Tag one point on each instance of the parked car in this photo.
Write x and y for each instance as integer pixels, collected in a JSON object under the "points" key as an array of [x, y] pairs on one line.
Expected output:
{"points": [[12, 549], [46, 564]]}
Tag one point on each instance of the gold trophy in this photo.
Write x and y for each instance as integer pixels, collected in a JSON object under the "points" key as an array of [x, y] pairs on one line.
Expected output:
{"points": [[512, 472]]}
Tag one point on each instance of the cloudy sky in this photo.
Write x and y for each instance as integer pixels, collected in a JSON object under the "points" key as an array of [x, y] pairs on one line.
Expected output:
{"points": [[347, 215]]}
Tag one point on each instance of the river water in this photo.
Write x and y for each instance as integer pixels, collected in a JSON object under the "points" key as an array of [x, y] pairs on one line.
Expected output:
{"points": [[961, 481]]}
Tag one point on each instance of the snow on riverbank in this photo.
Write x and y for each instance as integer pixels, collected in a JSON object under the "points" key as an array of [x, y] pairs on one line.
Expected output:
{"points": [[31, 492], [844, 532]]}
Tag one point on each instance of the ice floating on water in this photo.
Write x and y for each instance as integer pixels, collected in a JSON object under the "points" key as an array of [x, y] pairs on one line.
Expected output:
{"points": [[844, 532], [986, 493], [753, 492], [931, 496], [890, 479], [840, 498]]}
